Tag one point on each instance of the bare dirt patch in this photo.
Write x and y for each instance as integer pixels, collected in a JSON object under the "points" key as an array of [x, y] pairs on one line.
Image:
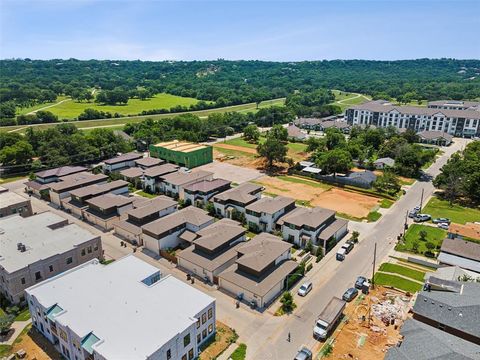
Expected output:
{"points": [[236, 148], [36, 346], [317, 194], [223, 338], [359, 339]]}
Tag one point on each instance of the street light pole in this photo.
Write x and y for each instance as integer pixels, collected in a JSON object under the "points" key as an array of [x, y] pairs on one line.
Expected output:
{"points": [[421, 200]]}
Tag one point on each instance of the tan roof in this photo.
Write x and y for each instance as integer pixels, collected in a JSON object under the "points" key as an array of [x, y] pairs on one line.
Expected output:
{"points": [[95, 189], [470, 230], [160, 170], [149, 161], [190, 214], [209, 263], [466, 249], [180, 146], [434, 135], [242, 193], [219, 233], [262, 286], [261, 251], [152, 206], [35, 185], [124, 157], [385, 107], [128, 226], [179, 178], [270, 205], [133, 172], [301, 216], [76, 181], [108, 201], [188, 236], [295, 132]]}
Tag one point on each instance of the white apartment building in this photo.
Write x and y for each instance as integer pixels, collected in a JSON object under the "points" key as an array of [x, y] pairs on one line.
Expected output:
{"points": [[39, 247], [124, 310], [381, 113], [264, 213]]}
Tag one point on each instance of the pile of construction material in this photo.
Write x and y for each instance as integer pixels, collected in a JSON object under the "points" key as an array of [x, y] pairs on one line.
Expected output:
{"points": [[390, 311]]}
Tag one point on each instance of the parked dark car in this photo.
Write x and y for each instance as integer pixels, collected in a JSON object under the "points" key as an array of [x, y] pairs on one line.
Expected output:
{"points": [[304, 354], [360, 281], [350, 294], [441, 221]]}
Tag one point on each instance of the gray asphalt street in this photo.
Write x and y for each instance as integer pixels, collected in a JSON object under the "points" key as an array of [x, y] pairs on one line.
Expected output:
{"points": [[332, 278]]}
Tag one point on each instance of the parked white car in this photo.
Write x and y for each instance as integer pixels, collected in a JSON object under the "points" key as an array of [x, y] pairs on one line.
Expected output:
{"points": [[305, 288], [443, 226]]}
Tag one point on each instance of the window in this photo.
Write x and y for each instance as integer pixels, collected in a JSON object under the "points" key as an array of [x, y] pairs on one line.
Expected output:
{"points": [[50, 268], [210, 313], [199, 338], [83, 252], [169, 354], [38, 275], [198, 323], [204, 318], [186, 340], [204, 334], [95, 248], [184, 357], [190, 354], [22, 280], [69, 260], [89, 249], [210, 328]]}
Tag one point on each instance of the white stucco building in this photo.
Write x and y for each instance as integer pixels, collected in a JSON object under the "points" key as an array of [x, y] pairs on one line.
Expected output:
{"points": [[263, 214], [124, 310]]}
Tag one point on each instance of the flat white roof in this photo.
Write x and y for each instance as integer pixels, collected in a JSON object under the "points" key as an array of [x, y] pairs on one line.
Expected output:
{"points": [[132, 320], [8, 198], [41, 241]]}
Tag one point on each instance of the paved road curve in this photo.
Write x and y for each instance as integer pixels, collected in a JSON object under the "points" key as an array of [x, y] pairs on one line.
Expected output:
{"points": [[332, 278]]}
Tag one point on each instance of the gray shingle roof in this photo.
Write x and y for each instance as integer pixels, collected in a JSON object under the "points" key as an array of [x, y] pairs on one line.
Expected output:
{"points": [[242, 193], [466, 249], [270, 205], [434, 135], [179, 178], [310, 217], [458, 310], [124, 157], [424, 342]]}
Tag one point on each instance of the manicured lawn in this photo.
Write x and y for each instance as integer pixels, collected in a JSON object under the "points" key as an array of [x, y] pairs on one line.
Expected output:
{"points": [[28, 109], [11, 179], [373, 216], [397, 282], [434, 235], [240, 352], [241, 142], [71, 109], [297, 147], [456, 213], [386, 204], [299, 180], [398, 269], [23, 316], [145, 194], [234, 153]]}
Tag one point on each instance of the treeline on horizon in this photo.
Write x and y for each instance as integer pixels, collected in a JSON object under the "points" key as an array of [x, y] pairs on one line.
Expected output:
{"points": [[26, 82]]}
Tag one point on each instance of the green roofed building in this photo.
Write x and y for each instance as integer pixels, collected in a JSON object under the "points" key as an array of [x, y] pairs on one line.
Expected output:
{"points": [[183, 153]]}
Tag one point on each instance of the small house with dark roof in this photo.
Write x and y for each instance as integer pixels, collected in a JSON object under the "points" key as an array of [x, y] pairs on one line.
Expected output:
{"points": [[148, 162], [384, 163], [121, 162], [200, 192], [263, 214], [61, 190], [236, 199], [174, 183], [39, 186], [453, 309], [260, 272], [295, 133], [173, 230], [214, 248], [318, 225], [440, 138], [129, 227], [153, 177]]}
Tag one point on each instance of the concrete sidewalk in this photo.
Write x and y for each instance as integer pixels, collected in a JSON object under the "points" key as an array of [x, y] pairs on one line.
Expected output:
{"points": [[18, 326]]}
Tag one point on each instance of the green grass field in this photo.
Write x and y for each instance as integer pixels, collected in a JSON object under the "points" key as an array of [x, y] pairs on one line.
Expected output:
{"points": [[397, 282], [250, 107], [311, 183], [434, 235], [294, 147], [456, 213], [398, 269], [26, 110], [71, 109]]}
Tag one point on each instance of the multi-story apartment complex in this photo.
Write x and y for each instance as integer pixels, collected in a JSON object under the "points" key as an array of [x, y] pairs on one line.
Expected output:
{"points": [[39, 247], [461, 121], [125, 310], [262, 215]]}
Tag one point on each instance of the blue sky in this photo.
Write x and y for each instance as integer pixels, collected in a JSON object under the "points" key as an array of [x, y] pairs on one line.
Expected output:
{"points": [[265, 30]]}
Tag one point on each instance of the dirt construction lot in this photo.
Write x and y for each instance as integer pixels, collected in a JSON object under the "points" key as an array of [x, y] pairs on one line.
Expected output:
{"points": [[317, 194], [35, 345]]}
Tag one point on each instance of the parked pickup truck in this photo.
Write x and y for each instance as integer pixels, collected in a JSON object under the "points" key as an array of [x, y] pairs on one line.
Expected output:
{"points": [[328, 318]]}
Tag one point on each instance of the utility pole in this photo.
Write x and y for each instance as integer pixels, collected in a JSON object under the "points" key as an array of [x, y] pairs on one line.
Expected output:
{"points": [[421, 200], [373, 269], [406, 224]]}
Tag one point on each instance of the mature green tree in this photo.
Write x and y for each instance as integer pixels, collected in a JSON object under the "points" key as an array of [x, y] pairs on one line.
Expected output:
{"points": [[288, 304], [335, 139], [273, 150], [334, 161], [388, 183], [278, 132], [251, 133], [7, 109], [18, 154]]}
